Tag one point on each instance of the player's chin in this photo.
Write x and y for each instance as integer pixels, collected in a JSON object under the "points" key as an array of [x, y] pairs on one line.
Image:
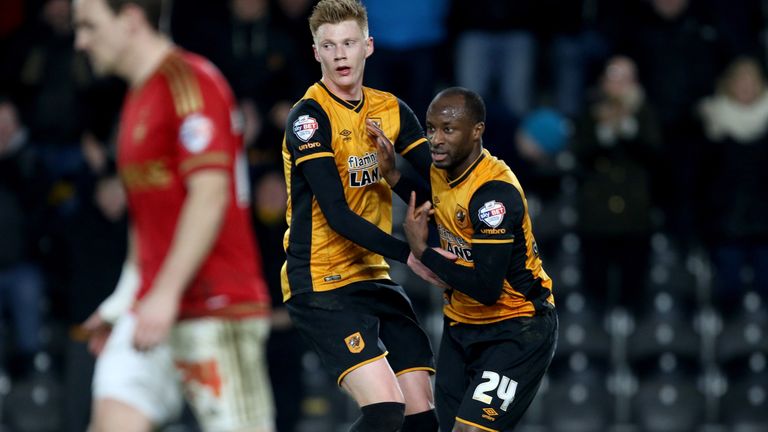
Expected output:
{"points": [[441, 163], [441, 160]]}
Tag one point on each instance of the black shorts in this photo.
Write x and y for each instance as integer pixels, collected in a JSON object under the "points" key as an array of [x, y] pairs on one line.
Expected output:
{"points": [[354, 325], [487, 375]]}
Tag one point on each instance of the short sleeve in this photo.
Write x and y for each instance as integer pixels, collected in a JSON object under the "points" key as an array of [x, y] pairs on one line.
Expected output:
{"points": [[411, 133], [496, 210], [308, 132], [208, 136]]}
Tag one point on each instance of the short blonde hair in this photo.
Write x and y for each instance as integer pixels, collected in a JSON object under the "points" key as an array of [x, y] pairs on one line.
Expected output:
{"points": [[336, 11]]}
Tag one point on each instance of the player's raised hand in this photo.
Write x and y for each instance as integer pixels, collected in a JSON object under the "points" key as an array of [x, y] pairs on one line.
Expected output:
{"points": [[415, 225], [386, 153]]}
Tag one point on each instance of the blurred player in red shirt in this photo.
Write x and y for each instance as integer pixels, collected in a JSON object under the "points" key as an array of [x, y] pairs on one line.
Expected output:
{"points": [[200, 296]]}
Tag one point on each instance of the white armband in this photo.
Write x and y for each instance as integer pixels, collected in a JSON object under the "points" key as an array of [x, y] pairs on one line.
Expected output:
{"points": [[121, 300]]}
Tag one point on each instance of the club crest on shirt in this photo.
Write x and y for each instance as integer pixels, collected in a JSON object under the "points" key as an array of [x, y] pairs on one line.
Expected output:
{"points": [[196, 132], [355, 342], [304, 127], [461, 217], [492, 213]]}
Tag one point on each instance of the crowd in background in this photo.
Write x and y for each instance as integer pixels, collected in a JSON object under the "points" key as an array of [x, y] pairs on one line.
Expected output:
{"points": [[638, 128]]}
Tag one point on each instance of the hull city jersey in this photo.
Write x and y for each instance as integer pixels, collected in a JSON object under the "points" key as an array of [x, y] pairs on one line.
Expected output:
{"points": [[322, 125], [475, 208], [181, 120]]}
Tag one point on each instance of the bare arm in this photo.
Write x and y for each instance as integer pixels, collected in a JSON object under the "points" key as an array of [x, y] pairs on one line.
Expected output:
{"points": [[197, 229]]}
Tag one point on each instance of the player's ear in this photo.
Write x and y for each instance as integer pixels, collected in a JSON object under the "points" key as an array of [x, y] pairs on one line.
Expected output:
{"points": [[132, 16], [477, 131], [314, 51], [368, 46]]}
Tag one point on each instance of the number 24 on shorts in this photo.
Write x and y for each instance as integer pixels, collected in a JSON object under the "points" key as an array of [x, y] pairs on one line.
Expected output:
{"points": [[505, 389]]}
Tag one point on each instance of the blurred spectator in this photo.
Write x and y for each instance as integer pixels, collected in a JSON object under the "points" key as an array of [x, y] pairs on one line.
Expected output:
{"points": [[52, 80], [292, 16], [496, 51], [617, 147], [733, 180], [285, 347], [408, 37], [21, 206], [534, 158], [95, 238], [678, 56], [258, 59], [562, 28]]}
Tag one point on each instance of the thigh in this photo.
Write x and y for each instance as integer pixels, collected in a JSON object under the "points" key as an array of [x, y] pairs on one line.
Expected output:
{"points": [[403, 337], [146, 381], [372, 383], [224, 373], [345, 335], [505, 375]]}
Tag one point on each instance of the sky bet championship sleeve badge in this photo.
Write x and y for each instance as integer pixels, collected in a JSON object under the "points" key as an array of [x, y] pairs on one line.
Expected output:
{"points": [[492, 213], [304, 127]]}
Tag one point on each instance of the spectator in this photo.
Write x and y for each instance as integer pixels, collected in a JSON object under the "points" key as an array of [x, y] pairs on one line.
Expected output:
{"points": [[258, 58], [734, 205], [408, 37], [21, 206], [53, 83], [678, 56], [496, 50], [617, 145]]}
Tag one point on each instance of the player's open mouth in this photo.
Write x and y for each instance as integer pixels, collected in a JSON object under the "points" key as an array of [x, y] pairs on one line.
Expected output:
{"points": [[439, 157], [344, 70]]}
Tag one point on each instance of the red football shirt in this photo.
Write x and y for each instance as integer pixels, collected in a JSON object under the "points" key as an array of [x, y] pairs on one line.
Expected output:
{"points": [[183, 119]]}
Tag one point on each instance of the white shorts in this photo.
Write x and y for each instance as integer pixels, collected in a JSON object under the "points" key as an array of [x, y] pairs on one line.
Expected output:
{"points": [[147, 381], [224, 372]]}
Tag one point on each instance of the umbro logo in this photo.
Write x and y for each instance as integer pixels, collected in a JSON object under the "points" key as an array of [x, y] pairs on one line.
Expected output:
{"points": [[490, 414], [346, 135]]}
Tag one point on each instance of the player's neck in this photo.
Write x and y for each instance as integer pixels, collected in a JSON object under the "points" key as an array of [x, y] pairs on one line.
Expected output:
{"points": [[350, 93], [148, 52], [459, 170]]}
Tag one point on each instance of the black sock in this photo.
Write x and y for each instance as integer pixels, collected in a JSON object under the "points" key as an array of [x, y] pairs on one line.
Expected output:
{"points": [[420, 422], [380, 417]]}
